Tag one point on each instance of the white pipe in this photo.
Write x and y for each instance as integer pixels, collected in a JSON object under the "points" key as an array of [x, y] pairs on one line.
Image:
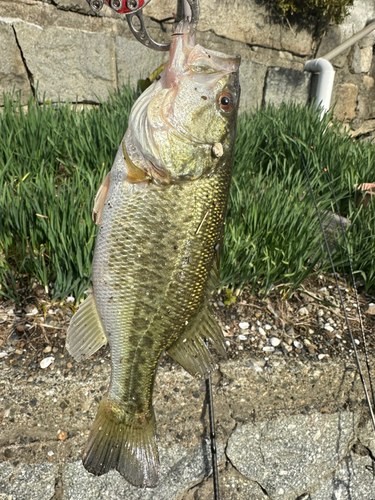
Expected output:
{"points": [[325, 82], [325, 68], [350, 41]]}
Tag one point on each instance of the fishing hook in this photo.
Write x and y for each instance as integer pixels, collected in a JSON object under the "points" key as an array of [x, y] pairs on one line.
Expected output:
{"points": [[134, 16]]}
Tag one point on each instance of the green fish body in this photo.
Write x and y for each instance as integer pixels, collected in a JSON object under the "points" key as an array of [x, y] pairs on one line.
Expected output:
{"points": [[160, 212]]}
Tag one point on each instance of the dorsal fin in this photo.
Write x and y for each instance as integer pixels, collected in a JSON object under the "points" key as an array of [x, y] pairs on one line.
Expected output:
{"points": [[85, 334]]}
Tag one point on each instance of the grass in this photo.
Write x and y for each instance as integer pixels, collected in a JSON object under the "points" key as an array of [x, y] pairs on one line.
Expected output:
{"points": [[273, 236], [53, 159], [51, 164]]}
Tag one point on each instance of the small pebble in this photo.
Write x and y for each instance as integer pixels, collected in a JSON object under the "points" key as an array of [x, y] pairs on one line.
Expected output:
{"points": [[69, 365], [62, 435], [240, 348], [268, 348], [220, 304], [50, 453], [274, 341], [297, 344], [47, 349], [371, 308], [324, 289], [267, 327], [242, 337], [328, 327], [261, 331], [303, 311], [32, 312], [70, 300], [46, 362], [244, 325], [321, 356], [356, 341], [3, 354], [320, 313]]}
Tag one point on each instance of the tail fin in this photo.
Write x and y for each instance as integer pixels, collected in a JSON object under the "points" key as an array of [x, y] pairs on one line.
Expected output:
{"points": [[129, 448]]}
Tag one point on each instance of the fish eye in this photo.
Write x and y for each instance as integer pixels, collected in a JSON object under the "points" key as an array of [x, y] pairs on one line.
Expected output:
{"points": [[226, 102]]}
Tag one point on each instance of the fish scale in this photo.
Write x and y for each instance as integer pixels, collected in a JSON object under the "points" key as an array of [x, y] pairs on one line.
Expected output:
{"points": [[170, 217]]}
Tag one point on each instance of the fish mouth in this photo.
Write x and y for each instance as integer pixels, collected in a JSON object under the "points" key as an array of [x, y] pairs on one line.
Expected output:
{"points": [[157, 113]]}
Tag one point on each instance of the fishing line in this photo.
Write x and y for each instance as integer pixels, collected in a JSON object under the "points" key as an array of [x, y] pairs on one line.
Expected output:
{"points": [[215, 472], [336, 281], [210, 404], [354, 286]]}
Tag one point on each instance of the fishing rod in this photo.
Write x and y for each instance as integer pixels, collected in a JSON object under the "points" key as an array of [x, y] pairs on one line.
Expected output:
{"points": [[210, 403], [368, 401]]}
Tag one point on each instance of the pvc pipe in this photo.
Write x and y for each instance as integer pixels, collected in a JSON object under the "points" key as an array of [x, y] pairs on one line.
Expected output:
{"points": [[325, 82], [350, 41]]}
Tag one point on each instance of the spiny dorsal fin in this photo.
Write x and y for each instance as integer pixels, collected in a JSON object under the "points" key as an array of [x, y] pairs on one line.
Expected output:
{"points": [[85, 333], [100, 197], [191, 351]]}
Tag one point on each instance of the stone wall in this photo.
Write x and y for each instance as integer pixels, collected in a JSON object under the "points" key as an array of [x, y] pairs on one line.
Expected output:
{"points": [[60, 49]]}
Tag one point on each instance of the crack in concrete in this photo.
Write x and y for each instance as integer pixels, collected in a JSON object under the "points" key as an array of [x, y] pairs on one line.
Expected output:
{"points": [[263, 489], [58, 494], [242, 475], [28, 72], [67, 8], [251, 45], [264, 88]]}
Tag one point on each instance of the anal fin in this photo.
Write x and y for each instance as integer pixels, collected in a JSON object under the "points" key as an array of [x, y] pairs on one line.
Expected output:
{"points": [[191, 350], [85, 334]]}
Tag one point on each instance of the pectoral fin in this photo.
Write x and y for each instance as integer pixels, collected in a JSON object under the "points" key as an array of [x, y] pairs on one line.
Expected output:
{"points": [[191, 350], [100, 197], [85, 334], [134, 174]]}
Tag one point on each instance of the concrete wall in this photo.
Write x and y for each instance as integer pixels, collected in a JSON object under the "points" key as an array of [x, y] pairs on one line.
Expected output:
{"points": [[60, 49]]}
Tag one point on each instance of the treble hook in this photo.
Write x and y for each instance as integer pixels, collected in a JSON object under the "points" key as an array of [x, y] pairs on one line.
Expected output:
{"points": [[142, 35], [133, 9]]}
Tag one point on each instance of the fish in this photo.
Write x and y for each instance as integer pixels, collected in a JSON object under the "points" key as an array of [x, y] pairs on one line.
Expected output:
{"points": [[160, 212]]}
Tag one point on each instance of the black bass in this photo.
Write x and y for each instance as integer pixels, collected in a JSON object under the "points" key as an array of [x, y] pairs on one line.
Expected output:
{"points": [[161, 213]]}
